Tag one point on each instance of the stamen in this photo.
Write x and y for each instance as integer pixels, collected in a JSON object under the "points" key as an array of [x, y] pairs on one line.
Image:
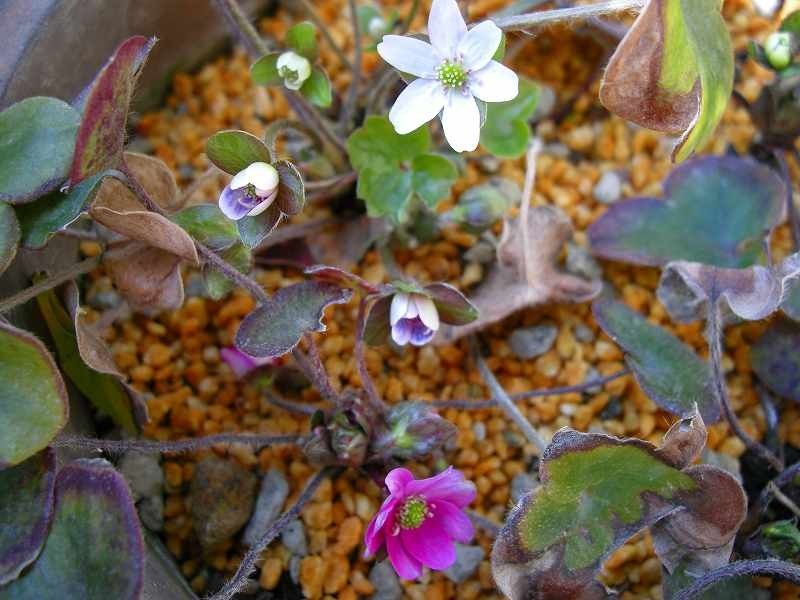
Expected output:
{"points": [[451, 74], [413, 513]]}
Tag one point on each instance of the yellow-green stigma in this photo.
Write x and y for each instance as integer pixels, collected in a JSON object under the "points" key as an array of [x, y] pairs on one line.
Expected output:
{"points": [[452, 75], [413, 513]]}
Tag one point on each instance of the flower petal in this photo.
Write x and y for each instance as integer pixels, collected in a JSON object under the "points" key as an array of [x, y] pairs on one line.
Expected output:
{"points": [[374, 538], [407, 566], [239, 362], [401, 332], [430, 544], [478, 46], [397, 479], [427, 311], [449, 485], [461, 121], [411, 311], [454, 521], [232, 203], [494, 83], [420, 335], [409, 55], [263, 176], [398, 307], [446, 27], [264, 204], [239, 180], [421, 101], [376, 530]]}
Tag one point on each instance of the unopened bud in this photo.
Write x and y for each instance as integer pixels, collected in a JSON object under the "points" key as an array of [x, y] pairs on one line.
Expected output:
{"points": [[778, 49], [294, 69]]}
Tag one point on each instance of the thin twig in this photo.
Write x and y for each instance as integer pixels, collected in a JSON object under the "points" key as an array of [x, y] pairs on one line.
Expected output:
{"points": [[466, 404], [783, 498], [524, 208], [292, 231], [288, 405], [504, 401], [73, 271], [768, 568], [714, 333], [248, 563], [323, 185], [312, 365], [361, 364], [566, 15], [199, 181], [175, 446], [337, 50], [352, 92]]}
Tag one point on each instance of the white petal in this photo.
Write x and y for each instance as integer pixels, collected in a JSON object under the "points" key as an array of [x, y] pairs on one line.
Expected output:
{"points": [[239, 180], [446, 27], [422, 100], [427, 312], [263, 176], [461, 121], [409, 55], [479, 45], [411, 311], [263, 205], [401, 333], [494, 83], [398, 307]]}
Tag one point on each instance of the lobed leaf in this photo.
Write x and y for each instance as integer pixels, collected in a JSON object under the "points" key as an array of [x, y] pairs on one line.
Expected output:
{"points": [[506, 132], [94, 550], [302, 38], [33, 399], [775, 358], [673, 71], [669, 371], [716, 210], [26, 508], [37, 140], [232, 150], [275, 327], [101, 136], [206, 224], [10, 236], [432, 177]]}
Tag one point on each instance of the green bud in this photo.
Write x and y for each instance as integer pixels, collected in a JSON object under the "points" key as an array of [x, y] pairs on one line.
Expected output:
{"points": [[778, 49]]}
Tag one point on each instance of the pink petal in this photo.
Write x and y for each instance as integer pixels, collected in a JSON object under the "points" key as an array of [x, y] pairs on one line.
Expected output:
{"points": [[407, 566], [453, 520], [397, 479], [430, 544], [448, 485], [376, 530]]}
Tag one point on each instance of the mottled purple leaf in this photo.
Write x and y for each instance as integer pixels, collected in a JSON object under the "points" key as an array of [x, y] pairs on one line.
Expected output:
{"points": [[452, 305], [376, 325], [101, 136], [340, 277], [26, 507], [95, 549], [669, 371], [254, 230], [716, 210], [275, 327], [775, 358], [291, 191]]}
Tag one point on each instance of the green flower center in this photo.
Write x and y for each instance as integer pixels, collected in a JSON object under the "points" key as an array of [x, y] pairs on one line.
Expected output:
{"points": [[413, 513], [452, 75]]}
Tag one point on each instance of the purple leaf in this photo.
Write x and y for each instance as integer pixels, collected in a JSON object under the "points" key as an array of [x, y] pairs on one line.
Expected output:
{"points": [[775, 358], [341, 278], [101, 135], [291, 191], [376, 325], [452, 305], [94, 550], [275, 327], [26, 507], [716, 210]]}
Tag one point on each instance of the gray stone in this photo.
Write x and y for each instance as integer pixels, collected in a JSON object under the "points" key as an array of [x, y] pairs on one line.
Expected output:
{"points": [[273, 493], [294, 538], [545, 103], [591, 374], [385, 581], [143, 473], [479, 430], [609, 188], [489, 164], [482, 252], [521, 485], [533, 341], [583, 333], [151, 512], [294, 568], [468, 558], [556, 149], [581, 263]]}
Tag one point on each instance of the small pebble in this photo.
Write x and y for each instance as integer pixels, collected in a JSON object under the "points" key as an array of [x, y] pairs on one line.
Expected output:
{"points": [[583, 333], [294, 538], [581, 263], [479, 429], [273, 493], [609, 188], [143, 473], [467, 560], [533, 341], [521, 485], [385, 581]]}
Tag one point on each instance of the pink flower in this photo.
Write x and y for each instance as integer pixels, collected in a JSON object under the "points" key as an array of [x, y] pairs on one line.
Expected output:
{"points": [[243, 364], [420, 520]]}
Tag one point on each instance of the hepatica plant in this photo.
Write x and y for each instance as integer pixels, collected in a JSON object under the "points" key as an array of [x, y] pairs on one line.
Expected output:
{"points": [[356, 168]]}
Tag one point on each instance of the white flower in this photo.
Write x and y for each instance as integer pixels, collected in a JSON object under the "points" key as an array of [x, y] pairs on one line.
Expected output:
{"points": [[376, 26], [453, 70], [294, 69], [413, 318], [251, 191]]}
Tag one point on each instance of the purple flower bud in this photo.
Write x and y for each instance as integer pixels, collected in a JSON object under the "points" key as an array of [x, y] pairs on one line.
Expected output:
{"points": [[243, 364], [413, 318]]}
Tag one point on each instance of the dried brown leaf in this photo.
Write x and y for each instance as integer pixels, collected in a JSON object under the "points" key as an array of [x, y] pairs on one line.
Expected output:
{"points": [[148, 277]]}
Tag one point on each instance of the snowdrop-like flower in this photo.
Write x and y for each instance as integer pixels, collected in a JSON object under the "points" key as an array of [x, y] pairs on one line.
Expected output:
{"points": [[243, 364], [250, 192], [453, 70], [413, 318], [294, 69], [420, 520]]}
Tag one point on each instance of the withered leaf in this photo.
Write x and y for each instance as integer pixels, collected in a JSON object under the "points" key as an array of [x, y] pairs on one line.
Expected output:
{"points": [[148, 277]]}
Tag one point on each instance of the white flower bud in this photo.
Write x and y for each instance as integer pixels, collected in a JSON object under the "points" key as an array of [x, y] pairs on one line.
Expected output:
{"points": [[377, 26], [294, 69], [778, 49]]}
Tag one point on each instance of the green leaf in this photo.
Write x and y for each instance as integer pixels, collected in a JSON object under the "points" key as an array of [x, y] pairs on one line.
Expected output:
{"points": [[669, 371], [42, 219], [217, 285], [302, 38], [481, 206], [276, 326], [736, 588], [506, 132], [317, 88], [104, 391], [433, 177], [232, 150], [95, 549], [673, 71], [386, 193], [376, 145], [10, 236], [33, 400], [26, 508], [265, 70], [206, 224], [254, 230], [37, 139]]}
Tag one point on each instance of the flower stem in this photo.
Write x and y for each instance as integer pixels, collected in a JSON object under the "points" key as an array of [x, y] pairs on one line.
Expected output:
{"points": [[768, 568], [564, 15], [174, 446], [337, 50], [501, 397], [236, 17], [352, 92], [289, 406], [311, 365], [230, 589], [366, 380], [73, 271]]}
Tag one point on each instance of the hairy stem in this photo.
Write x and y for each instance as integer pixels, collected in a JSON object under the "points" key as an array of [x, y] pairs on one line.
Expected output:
{"points": [[524, 209], [71, 272], [312, 15], [277, 127], [352, 92], [482, 522], [239, 22], [361, 363], [768, 568], [174, 446], [248, 564], [312, 366], [501, 397], [566, 15], [714, 334], [288, 405]]}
